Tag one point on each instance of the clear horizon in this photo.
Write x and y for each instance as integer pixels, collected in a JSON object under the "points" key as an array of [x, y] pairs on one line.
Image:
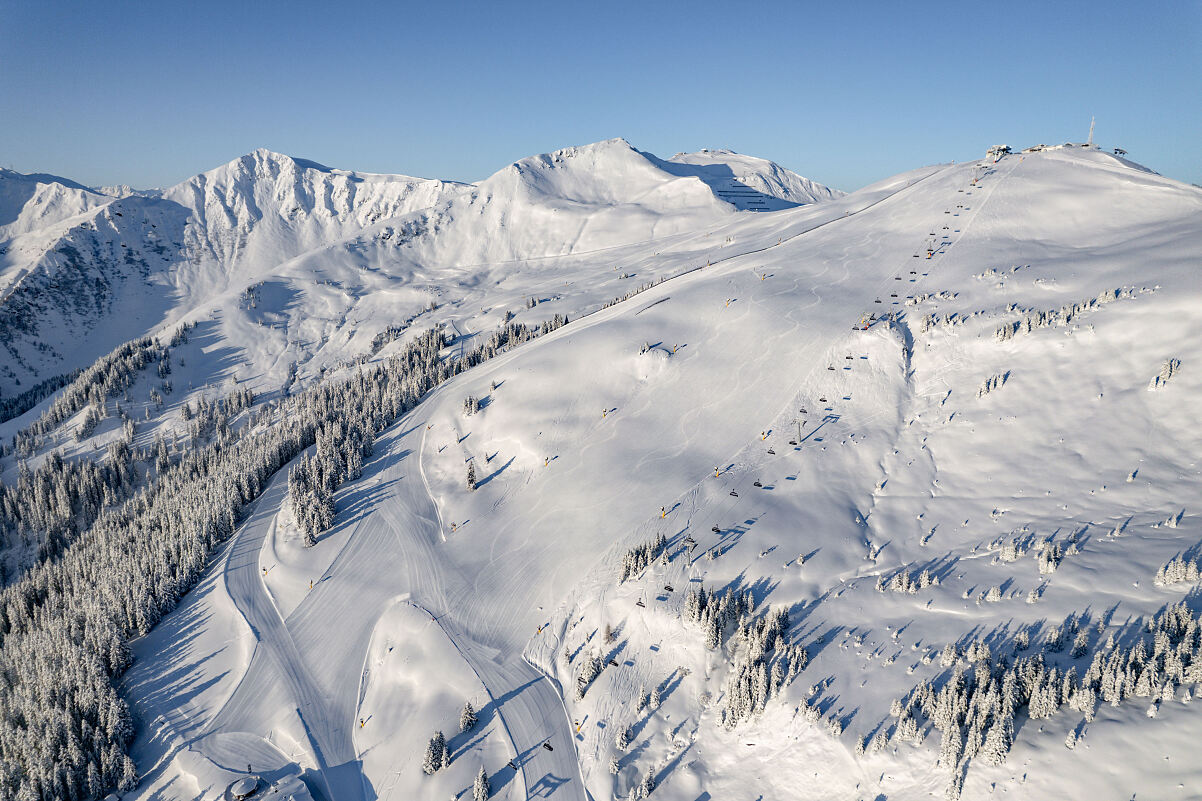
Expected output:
{"points": [[844, 97]]}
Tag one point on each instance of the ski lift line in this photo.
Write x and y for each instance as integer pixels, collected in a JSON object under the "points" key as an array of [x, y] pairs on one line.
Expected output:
{"points": [[946, 245], [781, 240], [884, 281]]}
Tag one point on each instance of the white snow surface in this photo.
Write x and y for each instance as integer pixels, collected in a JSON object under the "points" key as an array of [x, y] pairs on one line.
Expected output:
{"points": [[751, 182], [424, 594]]}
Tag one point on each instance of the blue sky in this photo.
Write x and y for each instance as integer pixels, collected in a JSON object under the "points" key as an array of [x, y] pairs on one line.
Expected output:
{"points": [[845, 93]]}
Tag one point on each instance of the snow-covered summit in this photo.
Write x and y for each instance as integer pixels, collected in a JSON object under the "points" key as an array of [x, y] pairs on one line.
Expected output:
{"points": [[266, 207], [36, 201], [750, 182]]}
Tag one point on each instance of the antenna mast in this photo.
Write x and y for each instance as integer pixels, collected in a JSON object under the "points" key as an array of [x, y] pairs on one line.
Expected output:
{"points": [[1091, 122]]}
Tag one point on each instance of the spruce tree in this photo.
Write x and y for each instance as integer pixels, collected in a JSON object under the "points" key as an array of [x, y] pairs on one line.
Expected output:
{"points": [[480, 789], [432, 761], [467, 718]]}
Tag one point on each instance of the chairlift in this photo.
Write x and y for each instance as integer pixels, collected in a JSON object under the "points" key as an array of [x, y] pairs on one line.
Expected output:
{"points": [[878, 300], [792, 442], [822, 400], [803, 411], [613, 663], [511, 765], [756, 484], [847, 356], [832, 367], [548, 746], [669, 588], [771, 451], [734, 494], [716, 529], [639, 602], [689, 541], [894, 295]]}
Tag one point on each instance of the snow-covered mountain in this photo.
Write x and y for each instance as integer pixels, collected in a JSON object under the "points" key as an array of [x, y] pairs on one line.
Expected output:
{"points": [[748, 182], [82, 271], [889, 495], [32, 202]]}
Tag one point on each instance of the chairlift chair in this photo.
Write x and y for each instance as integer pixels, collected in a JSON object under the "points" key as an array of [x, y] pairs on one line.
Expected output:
{"points": [[716, 529], [734, 494], [756, 484]]}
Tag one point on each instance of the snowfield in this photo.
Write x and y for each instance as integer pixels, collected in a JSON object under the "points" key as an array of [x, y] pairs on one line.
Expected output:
{"points": [[890, 494]]}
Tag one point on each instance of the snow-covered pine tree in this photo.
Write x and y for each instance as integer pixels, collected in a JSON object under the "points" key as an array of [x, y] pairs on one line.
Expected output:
{"points": [[622, 738], [480, 788], [998, 740], [471, 476], [432, 761], [444, 752], [467, 718], [590, 668]]}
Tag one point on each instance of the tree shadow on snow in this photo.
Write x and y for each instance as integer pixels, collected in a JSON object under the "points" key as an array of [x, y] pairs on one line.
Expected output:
{"points": [[495, 473]]}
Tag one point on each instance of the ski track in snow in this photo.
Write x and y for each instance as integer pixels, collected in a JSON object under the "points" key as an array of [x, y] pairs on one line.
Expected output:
{"points": [[308, 651]]}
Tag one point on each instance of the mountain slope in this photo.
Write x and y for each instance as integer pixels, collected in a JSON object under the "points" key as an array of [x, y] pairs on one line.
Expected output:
{"points": [[931, 441], [748, 182]]}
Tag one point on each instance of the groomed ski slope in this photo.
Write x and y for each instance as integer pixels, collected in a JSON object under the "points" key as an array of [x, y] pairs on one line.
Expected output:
{"points": [[590, 430]]}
